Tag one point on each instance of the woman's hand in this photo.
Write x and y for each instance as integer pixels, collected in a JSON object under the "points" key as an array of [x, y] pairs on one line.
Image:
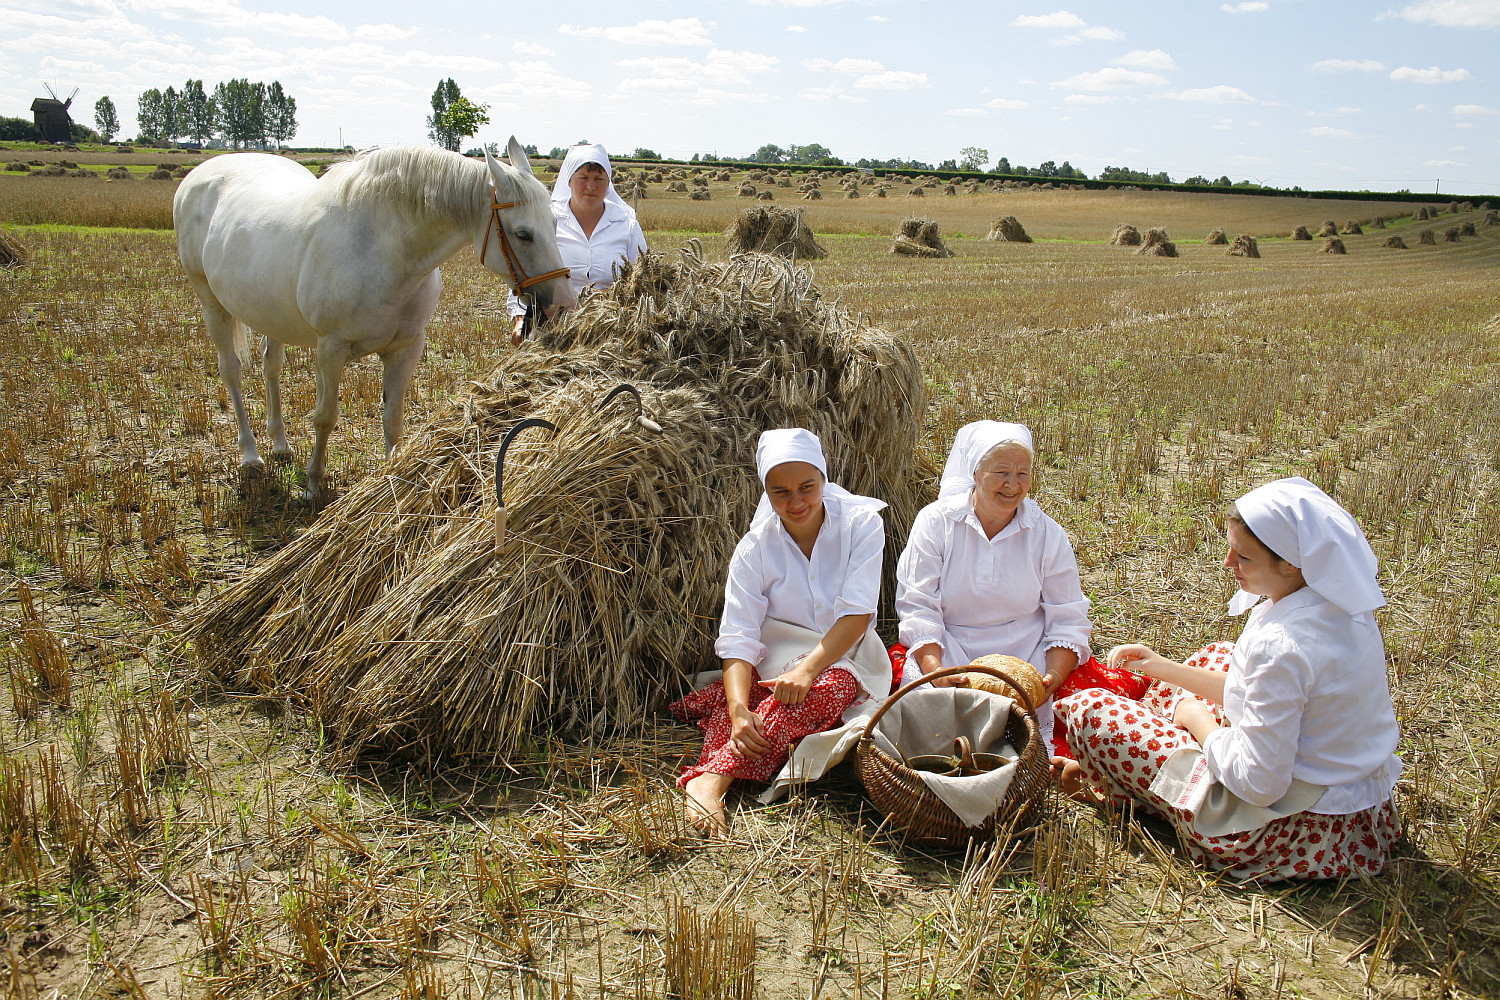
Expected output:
{"points": [[1061, 662], [746, 734], [517, 330], [1194, 716], [1134, 656], [791, 687], [930, 660]]}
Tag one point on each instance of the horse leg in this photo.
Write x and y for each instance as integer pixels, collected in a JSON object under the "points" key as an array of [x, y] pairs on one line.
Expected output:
{"points": [[227, 333], [398, 368], [272, 360], [333, 355]]}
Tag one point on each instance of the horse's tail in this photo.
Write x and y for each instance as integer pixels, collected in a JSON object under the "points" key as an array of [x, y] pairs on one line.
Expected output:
{"points": [[243, 342]]}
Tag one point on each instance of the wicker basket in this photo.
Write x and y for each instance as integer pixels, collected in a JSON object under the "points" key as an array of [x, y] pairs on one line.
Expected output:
{"points": [[901, 795]]}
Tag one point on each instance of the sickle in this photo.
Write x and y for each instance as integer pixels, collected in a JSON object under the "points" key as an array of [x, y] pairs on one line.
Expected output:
{"points": [[500, 513], [624, 389]]}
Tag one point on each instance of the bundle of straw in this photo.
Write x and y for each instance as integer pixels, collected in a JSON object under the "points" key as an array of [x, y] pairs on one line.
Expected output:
{"points": [[398, 623]]}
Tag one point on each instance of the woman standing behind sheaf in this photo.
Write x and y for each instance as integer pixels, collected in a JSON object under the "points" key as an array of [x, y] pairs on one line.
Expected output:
{"points": [[596, 230]]}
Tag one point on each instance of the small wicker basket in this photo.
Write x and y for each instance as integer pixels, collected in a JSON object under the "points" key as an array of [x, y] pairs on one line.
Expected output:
{"points": [[903, 798]]}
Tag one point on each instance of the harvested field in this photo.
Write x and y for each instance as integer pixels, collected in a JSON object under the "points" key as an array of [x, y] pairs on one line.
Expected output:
{"points": [[773, 230], [229, 852]]}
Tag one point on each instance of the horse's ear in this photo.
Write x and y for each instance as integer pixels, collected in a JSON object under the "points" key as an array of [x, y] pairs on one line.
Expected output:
{"points": [[516, 154]]}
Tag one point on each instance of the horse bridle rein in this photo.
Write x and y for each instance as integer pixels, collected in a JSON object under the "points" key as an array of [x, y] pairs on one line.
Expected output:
{"points": [[519, 281]]}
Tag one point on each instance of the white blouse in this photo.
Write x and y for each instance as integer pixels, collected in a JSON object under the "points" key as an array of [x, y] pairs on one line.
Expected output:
{"points": [[1307, 697], [769, 577], [591, 260], [1016, 594]]}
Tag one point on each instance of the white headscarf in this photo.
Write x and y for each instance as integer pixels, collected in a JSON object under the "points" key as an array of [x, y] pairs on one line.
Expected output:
{"points": [[591, 152], [795, 444], [970, 445], [1306, 527]]}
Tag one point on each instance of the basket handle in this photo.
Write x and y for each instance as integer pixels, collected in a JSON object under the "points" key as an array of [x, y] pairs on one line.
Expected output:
{"points": [[995, 672]]}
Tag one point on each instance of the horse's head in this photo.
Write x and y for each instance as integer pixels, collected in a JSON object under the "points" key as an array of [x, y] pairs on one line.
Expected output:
{"points": [[519, 241]]}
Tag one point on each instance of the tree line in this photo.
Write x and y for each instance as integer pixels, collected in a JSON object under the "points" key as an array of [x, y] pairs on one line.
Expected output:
{"points": [[241, 113]]}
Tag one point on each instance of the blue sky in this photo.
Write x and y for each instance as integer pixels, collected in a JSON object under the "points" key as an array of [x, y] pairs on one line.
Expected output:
{"points": [[1319, 93]]}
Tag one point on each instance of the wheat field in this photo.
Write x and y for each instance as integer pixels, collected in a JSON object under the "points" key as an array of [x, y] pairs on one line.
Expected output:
{"points": [[162, 836]]}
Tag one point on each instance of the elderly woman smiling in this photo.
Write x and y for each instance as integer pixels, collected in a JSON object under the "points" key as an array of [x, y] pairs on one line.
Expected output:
{"points": [[986, 571], [596, 230]]}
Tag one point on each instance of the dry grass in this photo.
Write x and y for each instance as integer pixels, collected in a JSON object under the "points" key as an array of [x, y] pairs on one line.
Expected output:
{"points": [[166, 839]]}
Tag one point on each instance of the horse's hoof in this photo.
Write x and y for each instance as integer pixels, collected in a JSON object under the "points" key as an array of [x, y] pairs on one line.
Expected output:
{"points": [[252, 469], [282, 457]]}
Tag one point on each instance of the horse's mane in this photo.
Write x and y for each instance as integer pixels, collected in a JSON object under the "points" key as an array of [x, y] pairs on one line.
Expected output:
{"points": [[421, 181]]}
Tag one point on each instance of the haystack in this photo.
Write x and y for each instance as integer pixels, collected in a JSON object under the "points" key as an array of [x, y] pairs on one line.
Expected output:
{"points": [[83, 172], [159, 175], [118, 174], [1328, 228], [1420, 215], [1301, 233], [1452, 208], [1245, 245], [396, 621], [783, 181], [1450, 235], [773, 230], [766, 195], [1008, 229], [949, 189], [1157, 244], [699, 194], [813, 194], [1466, 206], [1217, 238], [880, 192], [1351, 228], [747, 190], [1125, 236], [637, 191], [1333, 245], [13, 252], [1466, 228], [1378, 222], [1491, 219], [18, 167], [852, 192], [181, 172], [51, 170], [1393, 243], [700, 181], [1425, 238], [919, 238], [917, 192], [677, 187]]}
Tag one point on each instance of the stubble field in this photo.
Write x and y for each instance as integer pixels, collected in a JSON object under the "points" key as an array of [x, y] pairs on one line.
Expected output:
{"points": [[161, 836]]}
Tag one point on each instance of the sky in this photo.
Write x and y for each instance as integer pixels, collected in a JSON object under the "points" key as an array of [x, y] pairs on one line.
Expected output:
{"points": [[1323, 94]]}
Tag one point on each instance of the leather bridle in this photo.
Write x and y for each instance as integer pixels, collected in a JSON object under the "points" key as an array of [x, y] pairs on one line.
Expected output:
{"points": [[518, 279]]}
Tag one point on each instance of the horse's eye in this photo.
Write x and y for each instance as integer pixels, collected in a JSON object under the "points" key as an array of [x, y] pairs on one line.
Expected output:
{"points": [[525, 236]]}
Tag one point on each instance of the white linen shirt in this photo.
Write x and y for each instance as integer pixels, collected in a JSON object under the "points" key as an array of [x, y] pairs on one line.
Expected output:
{"points": [[769, 577], [1307, 698], [591, 260], [1017, 594]]}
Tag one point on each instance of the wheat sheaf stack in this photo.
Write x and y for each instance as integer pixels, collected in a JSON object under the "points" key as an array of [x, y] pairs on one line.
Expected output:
{"points": [[398, 621]]}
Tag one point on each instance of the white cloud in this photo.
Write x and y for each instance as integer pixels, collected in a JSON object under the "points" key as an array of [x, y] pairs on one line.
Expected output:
{"points": [[683, 31], [1473, 109], [1441, 163], [1006, 104], [1464, 125], [1407, 74], [1061, 19], [1089, 99], [1348, 66], [1249, 7], [797, 3], [1223, 124], [230, 14], [1146, 59], [1112, 78], [967, 113], [1095, 33], [1222, 94], [383, 33], [852, 67], [880, 20], [1330, 132], [531, 49], [796, 29], [701, 82], [1452, 13], [1347, 111], [892, 79]]}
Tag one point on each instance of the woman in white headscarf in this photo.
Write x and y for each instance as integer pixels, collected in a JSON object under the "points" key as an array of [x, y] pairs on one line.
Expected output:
{"points": [[797, 637], [985, 571], [1273, 757], [596, 229]]}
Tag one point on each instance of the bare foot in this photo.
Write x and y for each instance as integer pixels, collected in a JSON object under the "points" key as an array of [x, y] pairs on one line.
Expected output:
{"points": [[705, 800], [1072, 782]]}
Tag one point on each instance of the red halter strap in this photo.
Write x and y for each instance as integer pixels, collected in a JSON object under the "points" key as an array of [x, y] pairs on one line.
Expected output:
{"points": [[518, 279]]}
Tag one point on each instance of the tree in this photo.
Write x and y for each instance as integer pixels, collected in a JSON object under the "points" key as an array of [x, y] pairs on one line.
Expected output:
{"points": [[106, 118], [17, 129], [973, 158], [462, 118], [199, 113], [529, 148], [813, 153], [148, 116], [171, 118], [1197, 180], [280, 114], [642, 153], [241, 107], [556, 153], [1002, 166], [948, 165], [769, 153], [446, 93], [1224, 181]]}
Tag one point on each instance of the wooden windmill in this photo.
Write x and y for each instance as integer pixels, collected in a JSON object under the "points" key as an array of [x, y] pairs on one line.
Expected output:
{"points": [[53, 123]]}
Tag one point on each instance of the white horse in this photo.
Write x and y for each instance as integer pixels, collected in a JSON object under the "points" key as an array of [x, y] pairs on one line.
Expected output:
{"points": [[348, 264]]}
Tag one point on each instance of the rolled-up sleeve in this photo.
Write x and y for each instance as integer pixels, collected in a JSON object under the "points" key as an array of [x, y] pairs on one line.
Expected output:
{"points": [[919, 579], [859, 591], [744, 606], [1254, 758], [1065, 609]]}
